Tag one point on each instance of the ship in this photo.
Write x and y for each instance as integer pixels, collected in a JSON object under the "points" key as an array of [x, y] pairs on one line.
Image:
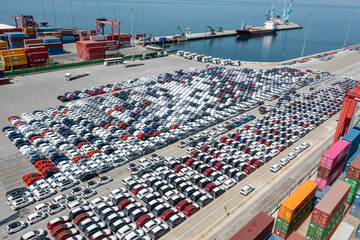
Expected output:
{"points": [[248, 31]]}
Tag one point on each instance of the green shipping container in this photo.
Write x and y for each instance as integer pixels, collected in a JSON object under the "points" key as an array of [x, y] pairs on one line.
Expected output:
{"points": [[311, 230], [279, 223], [322, 233]]}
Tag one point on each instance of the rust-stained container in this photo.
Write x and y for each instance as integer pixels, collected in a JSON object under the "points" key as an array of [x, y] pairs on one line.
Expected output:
{"points": [[330, 203], [258, 228], [293, 204], [296, 236], [354, 169]]}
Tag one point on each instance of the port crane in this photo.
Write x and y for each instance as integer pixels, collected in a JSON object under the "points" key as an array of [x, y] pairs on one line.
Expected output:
{"points": [[212, 31], [286, 12], [178, 28], [100, 27], [347, 112], [27, 24]]}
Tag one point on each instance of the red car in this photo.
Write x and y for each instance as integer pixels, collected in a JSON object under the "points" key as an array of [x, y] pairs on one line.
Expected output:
{"points": [[210, 186], [246, 127], [190, 161], [293, 117], [122, 204], [219, 165], [194, 153], [257, 131], [258, 163], [208, 171], [39, 162], [275, 132], [45, 165], [229, 141], [59, 228], [246, 149], [81, 217], [144, 219], [305, 125], [136, 189], [276, 121], [223, 139], [237, 137], [261, 140], [46, 169], [216, 154], [249, 169], [32, 180], [57, 221], [30, 175], [250, 161], [168, 214], [182, 204], [268, 142], [190, 210], [204, 148], [281, 148], [178, 167]]}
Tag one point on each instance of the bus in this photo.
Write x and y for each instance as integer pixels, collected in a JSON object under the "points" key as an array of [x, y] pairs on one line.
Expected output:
{"points": [[113, 61]]}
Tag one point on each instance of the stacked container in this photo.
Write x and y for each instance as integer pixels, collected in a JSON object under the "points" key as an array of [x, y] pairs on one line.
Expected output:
{"points": [[350, 160], [92, 32], [3, 45], [355, 207], [67, 36], [343, 232], [36, 56], [294, 208], [83, 35], [13, 57], [90, 50], [3, 79], [357, 234], [353, 178], [110, 48], [2, 74], [353, 137], [97, 37], [33, 43], [328, 212], [54, 46], [15, 40], [331, 164], [258, 228], [296, 236]]}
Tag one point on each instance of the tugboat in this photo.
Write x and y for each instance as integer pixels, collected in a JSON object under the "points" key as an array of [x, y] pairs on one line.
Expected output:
{"points": [[248, 31]]}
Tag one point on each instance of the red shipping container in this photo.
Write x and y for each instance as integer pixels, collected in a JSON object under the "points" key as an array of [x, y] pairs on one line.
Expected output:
{"points": [[354, 169], [37, 60], [33, 41], [111, 47], [35, 49], [37, 55], [140, 35], [16, 39], [257, 228], [4, 81], [50, 45], [66, 31], [296, 236], [17, 46], [2, 31], [109, 43], [330, 203], [325, 173]]}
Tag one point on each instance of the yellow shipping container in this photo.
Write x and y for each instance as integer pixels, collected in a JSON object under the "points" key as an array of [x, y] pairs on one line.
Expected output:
{"points": [[15, 51], [3, 43], [14, 63], [293, 204], [13, 58]]}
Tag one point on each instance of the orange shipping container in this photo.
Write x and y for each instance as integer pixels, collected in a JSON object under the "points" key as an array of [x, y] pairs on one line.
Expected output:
{"points": [[12, 52], [3, 43], [293, 204], [14, 63], [13, 58]]}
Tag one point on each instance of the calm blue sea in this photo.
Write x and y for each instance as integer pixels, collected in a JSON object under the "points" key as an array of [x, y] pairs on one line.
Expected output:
{"points": [[329, 22]]}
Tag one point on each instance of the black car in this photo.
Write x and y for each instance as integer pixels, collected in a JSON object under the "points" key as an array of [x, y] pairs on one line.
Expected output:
{"points": [[87, 176]]}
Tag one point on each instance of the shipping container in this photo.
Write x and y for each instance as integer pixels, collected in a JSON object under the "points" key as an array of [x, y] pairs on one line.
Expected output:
{"points": [[274, 237], [335, 173], [258, 228], [343, 231], [293, 204], [12, 52], [334, 154], [355, 207], [353, 137], [296, 236], [351, 159], [357, 234], [354, 169]]}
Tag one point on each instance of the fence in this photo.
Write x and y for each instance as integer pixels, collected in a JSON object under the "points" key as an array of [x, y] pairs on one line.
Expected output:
{"points": [[271, 210], [71, 65]]}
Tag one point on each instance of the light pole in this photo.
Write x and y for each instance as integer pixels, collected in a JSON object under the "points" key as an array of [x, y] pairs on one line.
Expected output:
{"points": [[347, 33], [71, 12], [43, 8], [131, 42], [52, 1], [84, 15], [307, 30]]}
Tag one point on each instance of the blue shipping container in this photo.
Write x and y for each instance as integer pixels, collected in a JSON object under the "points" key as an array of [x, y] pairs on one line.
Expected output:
{"points": [[274, 237], [350, 160], [51, 40], [357, 234], [353, 137]]}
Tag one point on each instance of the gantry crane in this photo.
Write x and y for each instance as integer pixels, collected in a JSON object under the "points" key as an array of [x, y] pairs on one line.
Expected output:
{"points": [[178, 28], [212, 31], [100, 27], [347, 113], [27, 24]]}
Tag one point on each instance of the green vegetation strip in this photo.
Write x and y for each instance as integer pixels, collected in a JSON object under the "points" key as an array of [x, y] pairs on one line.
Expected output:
{"points": [[71, 65]]}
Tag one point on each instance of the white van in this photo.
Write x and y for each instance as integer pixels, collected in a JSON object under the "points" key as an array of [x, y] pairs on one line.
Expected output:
{"points": [[276, 167], [42, 207], [35, 217], [284, 161]]}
